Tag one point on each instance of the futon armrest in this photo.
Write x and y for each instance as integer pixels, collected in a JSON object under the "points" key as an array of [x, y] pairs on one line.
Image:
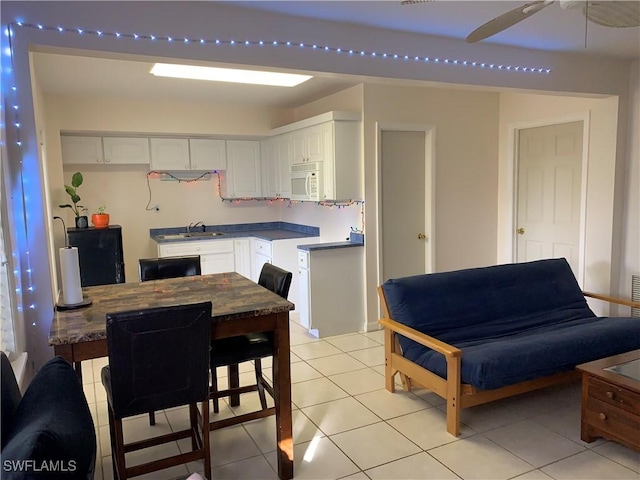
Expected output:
{"points": [[606, 298], [421, 338]]}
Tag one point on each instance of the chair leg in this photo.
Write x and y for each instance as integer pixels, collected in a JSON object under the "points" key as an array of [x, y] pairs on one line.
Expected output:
{"points": [[263, 398], [152, 418], [205, 439], [117, 451], [214, 390]]}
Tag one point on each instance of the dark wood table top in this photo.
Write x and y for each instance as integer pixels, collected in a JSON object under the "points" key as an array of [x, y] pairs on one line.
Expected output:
{"points": [[232, 295], [597, 369]]}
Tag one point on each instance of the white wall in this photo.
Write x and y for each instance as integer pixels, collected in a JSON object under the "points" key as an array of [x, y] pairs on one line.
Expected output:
{"points": [[630, 231], [522, 110], [466, 139]]}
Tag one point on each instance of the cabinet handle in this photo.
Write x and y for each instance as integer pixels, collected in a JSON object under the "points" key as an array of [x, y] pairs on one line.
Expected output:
{"points": [[602, 416], [194, 166], [610, 395], [107, 160], [186, 167], [197, 249]]}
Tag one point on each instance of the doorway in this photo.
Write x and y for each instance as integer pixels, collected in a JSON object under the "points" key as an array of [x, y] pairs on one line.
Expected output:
{"points": [[406, 159], [549, 192]]}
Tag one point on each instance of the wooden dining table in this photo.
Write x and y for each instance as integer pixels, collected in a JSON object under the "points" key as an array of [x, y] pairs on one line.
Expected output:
{"points": [[239, 306]]}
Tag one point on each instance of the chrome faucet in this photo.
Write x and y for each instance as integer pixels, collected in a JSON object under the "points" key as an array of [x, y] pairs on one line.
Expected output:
{"points": [[194, 225]]}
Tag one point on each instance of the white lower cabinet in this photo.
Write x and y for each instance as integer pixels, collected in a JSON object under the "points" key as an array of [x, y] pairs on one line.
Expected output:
{"points": [[242, 253], [261, 253], [331, 291], [216, 256]]}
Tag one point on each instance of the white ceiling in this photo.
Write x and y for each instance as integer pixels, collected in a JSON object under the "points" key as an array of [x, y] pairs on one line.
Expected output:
{"points": [[554, 28]]}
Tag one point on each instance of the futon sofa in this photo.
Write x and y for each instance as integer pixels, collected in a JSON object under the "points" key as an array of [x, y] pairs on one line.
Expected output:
{"points": [[481, 334], [48, 433]]}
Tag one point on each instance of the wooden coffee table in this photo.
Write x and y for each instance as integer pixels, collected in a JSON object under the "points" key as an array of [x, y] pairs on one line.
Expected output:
{"points": [[611, 399]]}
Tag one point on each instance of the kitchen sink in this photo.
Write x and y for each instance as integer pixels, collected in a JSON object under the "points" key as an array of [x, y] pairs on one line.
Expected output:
{"points": [[179, 236]]}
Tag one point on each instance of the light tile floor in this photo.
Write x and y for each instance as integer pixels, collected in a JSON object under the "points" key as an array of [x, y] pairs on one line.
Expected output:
{"points": [[346, 425]]}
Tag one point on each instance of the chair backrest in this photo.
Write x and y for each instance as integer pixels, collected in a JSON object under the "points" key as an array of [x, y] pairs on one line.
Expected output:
{"points": [[158, 357], [11, 397], [168, 267], [275, 279]]}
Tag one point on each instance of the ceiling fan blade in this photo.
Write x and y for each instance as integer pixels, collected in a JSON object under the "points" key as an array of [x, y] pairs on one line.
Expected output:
{"points": [[614, 13], [506, 20]]}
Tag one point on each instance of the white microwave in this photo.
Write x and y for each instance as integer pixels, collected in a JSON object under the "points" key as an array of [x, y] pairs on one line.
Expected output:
{"points": [[306, 181]]}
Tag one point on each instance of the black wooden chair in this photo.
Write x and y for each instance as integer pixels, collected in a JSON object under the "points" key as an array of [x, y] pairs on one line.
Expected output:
{"points": [[255, 346], [158, 359], [167, 267]]}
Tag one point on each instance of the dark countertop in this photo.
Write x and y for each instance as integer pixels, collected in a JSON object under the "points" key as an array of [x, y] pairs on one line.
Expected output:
{"points": [[231, 294], [265, 231], [355, 240]]}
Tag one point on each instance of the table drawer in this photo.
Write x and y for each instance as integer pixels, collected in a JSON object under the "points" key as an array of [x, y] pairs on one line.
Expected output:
{"points": [[613, 395], [610, 419]]}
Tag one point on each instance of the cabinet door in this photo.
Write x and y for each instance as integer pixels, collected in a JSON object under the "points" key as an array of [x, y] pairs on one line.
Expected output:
{"points": [[315, 145], [207, 154], [170, 154], [304, 297], [270, 173], [126, 150], [258, 262], [217, 263], [299, 147], [78, 150], [243, 169], [283, 154], [242, 252]]}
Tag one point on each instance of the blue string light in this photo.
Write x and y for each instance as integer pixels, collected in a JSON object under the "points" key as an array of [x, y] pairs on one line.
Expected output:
{"points": [[301, 45]]}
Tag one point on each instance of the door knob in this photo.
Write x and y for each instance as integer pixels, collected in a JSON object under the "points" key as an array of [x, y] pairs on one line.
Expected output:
{"points": [[421, 236], [520, 231]]}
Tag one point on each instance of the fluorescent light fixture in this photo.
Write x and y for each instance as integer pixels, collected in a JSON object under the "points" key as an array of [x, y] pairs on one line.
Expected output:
{"points": [[233, 75]]}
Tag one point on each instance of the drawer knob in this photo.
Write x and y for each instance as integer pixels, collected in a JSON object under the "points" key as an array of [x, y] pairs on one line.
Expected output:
{"points": [[602, 416], [609, 395]]}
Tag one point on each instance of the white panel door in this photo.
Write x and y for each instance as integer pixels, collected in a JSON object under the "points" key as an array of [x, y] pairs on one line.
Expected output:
{"points": [[404, 237], [549, 189], [170, 154]]}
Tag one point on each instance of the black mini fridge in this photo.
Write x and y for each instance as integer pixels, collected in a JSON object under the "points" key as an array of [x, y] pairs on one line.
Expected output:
{"points": [[100, 254]]}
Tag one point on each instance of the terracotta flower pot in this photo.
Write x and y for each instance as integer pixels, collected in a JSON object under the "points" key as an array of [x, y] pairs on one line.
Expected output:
{"points": [[100, 220]]}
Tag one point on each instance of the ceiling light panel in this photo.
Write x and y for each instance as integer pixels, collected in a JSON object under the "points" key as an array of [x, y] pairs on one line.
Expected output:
{"points": [[254, 77]]}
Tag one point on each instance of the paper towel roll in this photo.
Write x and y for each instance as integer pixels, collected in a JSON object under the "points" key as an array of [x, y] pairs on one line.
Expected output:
{"points": [[70, 269]]}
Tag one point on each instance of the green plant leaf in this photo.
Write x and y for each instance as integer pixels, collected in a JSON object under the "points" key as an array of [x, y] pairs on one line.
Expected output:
{"points": [[65, 206], [70, 190], [76, 179]]}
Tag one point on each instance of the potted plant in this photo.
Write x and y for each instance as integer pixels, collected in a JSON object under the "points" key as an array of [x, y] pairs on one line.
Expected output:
{"points": [[100, 219], [76, 181]]}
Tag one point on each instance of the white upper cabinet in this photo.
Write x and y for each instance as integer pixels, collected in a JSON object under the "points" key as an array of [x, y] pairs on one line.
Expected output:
{"points": [[126, 150], [307, 145], [243, 178], [333, 139], [207, 154], [77, 149], [276, 165], [343, 164], [170, 154]]}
